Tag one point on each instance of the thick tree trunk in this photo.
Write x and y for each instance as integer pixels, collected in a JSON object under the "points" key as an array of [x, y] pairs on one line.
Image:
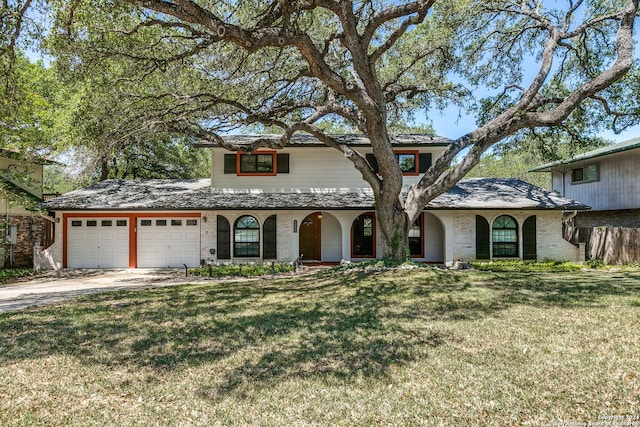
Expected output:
{"points": [[393, 224]]}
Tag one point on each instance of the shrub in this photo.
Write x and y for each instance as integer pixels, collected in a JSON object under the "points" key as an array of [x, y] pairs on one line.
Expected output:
{"points": [[245, 270]]}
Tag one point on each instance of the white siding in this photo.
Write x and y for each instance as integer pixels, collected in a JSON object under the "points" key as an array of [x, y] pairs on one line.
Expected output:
{"points": [[312, 169], [618, 186]]}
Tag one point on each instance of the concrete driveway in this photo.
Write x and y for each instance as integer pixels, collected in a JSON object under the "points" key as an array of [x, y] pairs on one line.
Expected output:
{"points": [[54, 287]]}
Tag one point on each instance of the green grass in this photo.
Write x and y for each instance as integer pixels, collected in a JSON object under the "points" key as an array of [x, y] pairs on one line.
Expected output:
{"points": [[8, 275], [391, 347]]}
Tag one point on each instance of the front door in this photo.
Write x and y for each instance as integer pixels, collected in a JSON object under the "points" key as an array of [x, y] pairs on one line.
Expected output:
{"points": [[310, 237]]}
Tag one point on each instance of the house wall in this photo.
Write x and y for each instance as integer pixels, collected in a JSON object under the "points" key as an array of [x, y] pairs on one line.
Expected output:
{"points": [[28, 176], [550, 244], [449, 236], [312, 169], [618, 186], [283, 232], [628, 218]]}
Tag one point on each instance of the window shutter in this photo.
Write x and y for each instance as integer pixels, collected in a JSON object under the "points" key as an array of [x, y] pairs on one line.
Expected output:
{"points": [[482, 238], [283, 163], [229, 163], [269, 238], [424, 162], [223, 238], [529, 242], [372, 161]]}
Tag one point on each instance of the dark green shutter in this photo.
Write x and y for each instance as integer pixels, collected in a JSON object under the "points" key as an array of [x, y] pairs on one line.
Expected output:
{"points": [[269, 238], [424, 161], [229, 163], [529, 242], [372, 161], [223, 238], [283, 163], [482, 238]]}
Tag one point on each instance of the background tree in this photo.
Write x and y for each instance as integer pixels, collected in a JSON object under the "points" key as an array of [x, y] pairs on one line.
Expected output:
{"points": [[205, 67], [516, 156]]}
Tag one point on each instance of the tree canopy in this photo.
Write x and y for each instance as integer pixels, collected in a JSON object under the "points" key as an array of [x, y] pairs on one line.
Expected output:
{"points": [[201, 68]]}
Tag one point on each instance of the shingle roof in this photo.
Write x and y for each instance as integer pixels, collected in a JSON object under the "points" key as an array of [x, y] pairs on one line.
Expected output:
{"points": [[599, 152], [475, 193], [305, 140]]}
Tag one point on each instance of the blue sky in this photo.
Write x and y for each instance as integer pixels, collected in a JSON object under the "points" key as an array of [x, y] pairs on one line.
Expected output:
{"points": [[450, 126]]}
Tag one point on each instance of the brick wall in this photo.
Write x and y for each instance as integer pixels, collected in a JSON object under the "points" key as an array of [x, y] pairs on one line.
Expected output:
{"points": [[628, 218], [27, 237], [549, 238]]}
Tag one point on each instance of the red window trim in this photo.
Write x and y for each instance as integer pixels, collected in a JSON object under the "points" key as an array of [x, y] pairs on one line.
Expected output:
{"points": [[275, 163], [416, 163], [373, 216]]}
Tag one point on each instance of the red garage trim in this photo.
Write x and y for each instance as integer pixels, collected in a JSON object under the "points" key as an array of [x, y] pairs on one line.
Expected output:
{"points": [[133, 224]]}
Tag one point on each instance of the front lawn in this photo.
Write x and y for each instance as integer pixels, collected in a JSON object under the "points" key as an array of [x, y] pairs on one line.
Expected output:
{"points": [[389, 347]]}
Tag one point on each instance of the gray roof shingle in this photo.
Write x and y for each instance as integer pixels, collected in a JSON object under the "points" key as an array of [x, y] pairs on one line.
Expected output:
{"points": [[474, 193], [305, 140]]}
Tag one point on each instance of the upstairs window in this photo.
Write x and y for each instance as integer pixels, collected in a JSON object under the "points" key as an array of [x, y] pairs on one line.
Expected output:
{"points": [[256, 163], [259, 163], [584, 174], [411, 162], [408, 162]]}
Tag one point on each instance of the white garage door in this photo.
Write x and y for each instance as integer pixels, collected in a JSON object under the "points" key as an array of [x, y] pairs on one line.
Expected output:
{"points": [[97, 242], [168, 242]]}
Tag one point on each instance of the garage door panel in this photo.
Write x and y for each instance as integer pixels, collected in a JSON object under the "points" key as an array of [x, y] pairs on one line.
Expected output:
{"points": [[167, 242], [93, 243]]}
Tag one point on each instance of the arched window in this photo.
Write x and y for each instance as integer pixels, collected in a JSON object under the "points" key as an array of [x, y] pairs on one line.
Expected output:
{"points": [[246, 237], [505, 237]]}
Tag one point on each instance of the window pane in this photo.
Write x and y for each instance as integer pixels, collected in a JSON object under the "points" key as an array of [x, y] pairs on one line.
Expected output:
{"points": [[505, 237], [176, 222], [407, 162], [107, 223], [246, 237], [415, 237], [92, 223], [247, 163], [363, 242], [121, 223], [256, 163], [590, 173], [265, 163], [76, 223], [145, 222], [192, 222], [161, 222]]}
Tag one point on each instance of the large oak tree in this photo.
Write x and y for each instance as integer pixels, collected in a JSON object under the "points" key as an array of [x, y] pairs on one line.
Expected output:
{"points": [[204, 67]]}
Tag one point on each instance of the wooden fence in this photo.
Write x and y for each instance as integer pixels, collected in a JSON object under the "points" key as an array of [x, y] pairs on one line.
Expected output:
{"points": [[613, 245]]}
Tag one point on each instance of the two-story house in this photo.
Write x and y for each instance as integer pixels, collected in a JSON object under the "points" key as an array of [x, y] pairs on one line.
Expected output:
{"points": [[21, 225], [305, 200], [607, 179]]}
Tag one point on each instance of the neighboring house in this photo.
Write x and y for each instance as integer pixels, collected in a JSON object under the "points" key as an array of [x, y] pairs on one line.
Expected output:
{"points": [[607, 179], [22, 227], [305, 200]]}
